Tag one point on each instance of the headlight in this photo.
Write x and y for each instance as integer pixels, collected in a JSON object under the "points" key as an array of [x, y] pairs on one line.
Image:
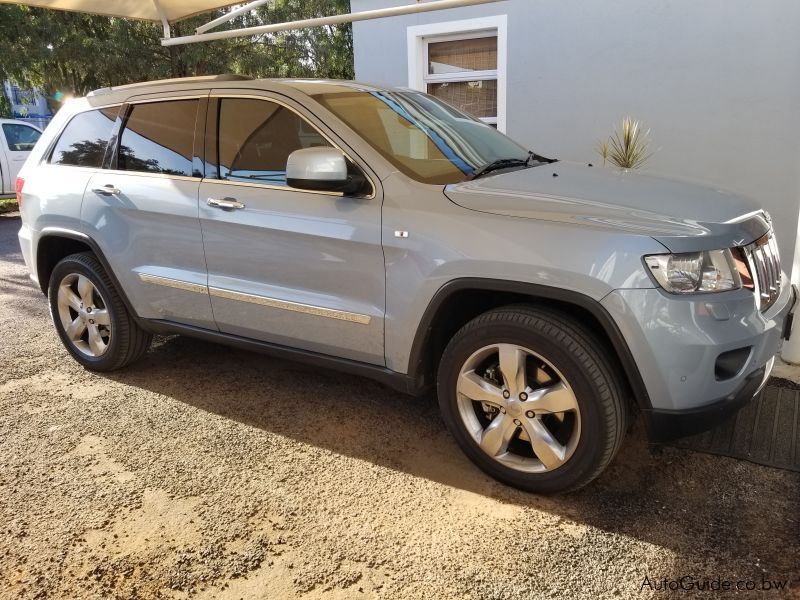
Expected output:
{"points": [[692, 272]]}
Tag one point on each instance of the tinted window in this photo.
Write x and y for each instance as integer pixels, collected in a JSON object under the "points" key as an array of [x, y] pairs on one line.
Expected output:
{"points": [[256, 138], [84, 140], [20, 138], [158, 138]]}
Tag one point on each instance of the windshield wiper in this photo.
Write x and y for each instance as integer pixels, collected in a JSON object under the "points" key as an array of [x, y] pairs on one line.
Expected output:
{"points": [[507, 163], [539, 158], [502, 163]]}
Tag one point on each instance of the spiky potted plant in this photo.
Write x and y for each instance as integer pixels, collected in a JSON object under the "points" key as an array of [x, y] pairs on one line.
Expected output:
{"points": [[628, 149]]}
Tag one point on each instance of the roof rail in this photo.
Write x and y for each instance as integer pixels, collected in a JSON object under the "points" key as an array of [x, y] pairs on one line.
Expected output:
{"points": [[141, 84]]}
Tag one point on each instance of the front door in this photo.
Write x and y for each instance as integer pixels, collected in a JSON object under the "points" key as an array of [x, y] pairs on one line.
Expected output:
{"points": [[290, 267]]}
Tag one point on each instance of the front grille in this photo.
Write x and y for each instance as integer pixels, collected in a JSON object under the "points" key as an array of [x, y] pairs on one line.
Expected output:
{"points": [[765, 266]]}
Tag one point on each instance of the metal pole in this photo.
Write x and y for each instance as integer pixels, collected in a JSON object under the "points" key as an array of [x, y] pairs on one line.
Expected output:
{"points": [[164, 22], [231, 15], [396, 11]]}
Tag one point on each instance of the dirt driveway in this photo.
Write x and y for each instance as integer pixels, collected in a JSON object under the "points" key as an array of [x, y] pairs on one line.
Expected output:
{"points": [[207, 472]]}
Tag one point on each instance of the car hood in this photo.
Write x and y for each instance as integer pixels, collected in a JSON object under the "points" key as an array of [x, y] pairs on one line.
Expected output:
{"points": [[683, 216]]}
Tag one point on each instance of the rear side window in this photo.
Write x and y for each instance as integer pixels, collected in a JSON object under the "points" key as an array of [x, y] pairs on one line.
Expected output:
{"points": [[84, 140], [20, 138], [256, 138], [158, 137]]}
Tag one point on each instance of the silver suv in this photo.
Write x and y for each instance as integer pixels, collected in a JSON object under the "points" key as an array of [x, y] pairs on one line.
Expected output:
{"points": [[382, 232]]}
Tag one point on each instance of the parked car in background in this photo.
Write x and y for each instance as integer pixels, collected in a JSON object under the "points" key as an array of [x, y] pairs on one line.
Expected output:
{"points": [[17, 139], [383, 232]]}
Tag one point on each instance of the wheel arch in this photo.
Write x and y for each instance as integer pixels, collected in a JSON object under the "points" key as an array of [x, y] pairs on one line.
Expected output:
{"points": [[461, 300], [55, 244]]}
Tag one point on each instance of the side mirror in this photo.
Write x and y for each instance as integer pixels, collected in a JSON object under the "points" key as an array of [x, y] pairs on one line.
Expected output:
{"points": [[321, 170]]}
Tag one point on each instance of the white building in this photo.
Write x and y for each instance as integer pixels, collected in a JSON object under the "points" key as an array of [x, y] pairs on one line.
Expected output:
{"points": [[29, 105], [717, 82]]}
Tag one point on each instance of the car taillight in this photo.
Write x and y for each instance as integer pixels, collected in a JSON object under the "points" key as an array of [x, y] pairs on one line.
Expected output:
{"points": [[18, 189]]}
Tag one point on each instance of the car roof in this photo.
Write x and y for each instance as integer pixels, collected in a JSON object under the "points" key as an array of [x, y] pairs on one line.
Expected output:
{"points": [[110, 95]]}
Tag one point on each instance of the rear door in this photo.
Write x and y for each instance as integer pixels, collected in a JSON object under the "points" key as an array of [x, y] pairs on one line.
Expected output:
{"points": [[287, 266], [142, 211]]}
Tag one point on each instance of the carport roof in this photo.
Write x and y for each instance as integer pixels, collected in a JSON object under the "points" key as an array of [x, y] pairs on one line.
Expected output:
{"points": [[169, 11], [173, 10]]}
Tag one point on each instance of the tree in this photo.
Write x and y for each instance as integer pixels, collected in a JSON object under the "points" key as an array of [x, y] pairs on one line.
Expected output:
{"points": [[317, 52], [5, 107], [74, 53]]}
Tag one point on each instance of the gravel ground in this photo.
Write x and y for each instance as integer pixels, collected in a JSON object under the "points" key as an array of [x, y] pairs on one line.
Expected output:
{"points": [[207, 472]]}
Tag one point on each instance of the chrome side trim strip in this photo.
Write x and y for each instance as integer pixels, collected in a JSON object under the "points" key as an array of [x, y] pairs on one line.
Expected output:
{"points": [[308, 309], [318, 311], [267, 186], [111, 172], [173, 283]]}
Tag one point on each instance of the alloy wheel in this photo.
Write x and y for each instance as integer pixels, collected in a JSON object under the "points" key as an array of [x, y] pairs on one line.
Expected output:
{"points": [[84, 315], [518, 408]]}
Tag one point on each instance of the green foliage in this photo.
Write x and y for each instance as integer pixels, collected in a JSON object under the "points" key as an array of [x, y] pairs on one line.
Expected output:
{"points": [[319, 52], [629, 149], [5, 106], [74, 53]]}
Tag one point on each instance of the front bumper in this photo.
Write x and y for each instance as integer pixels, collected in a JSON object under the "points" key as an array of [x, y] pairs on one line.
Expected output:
{"points": [[677, 343], [665, 425]]}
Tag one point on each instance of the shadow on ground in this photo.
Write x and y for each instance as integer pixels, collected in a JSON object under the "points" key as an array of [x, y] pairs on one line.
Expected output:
{"points": [[677, 499]]}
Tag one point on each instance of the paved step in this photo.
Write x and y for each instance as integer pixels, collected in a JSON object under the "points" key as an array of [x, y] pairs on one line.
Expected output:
{"points": [[766, 431]]}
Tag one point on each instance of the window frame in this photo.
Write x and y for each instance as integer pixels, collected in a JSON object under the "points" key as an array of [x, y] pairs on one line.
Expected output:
{"points": [[198, 152], [419, 37]]}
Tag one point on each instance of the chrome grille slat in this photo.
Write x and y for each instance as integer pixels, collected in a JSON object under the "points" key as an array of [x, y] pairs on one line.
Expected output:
{"points": [[765, 267], [773, 248], [768, 287]]}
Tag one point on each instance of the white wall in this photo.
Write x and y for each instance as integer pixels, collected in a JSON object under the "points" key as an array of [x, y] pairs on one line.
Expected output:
{"points": [[717, 81]]}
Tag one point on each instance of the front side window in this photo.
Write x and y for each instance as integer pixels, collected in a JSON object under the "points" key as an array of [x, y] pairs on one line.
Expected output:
{"points": [[256, 137], [158, 137], [84, 141], [20, 138], [421, 136]]}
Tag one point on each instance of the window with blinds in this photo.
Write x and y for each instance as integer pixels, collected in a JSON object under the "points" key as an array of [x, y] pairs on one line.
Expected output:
{"points": [[463, 72]]}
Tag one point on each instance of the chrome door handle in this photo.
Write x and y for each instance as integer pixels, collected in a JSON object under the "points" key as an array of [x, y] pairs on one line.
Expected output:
{"points": [[225, 203], [107, 190]]}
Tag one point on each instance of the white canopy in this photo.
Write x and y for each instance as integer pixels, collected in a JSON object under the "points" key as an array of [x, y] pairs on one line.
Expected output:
{"points": [[169, 11], [173, 10]]}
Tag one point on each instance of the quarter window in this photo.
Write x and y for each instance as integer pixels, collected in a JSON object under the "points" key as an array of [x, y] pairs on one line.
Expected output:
{"points": [[158, 137], [20, 138], [256, 138], [84, 141]]}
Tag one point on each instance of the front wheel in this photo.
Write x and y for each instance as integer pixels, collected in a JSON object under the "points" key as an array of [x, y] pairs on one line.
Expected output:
{"points": [[90, 317], [530, 397]]}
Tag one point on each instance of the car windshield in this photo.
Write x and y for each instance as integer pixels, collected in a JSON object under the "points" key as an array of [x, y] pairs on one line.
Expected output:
{"points": [[423, 137]]}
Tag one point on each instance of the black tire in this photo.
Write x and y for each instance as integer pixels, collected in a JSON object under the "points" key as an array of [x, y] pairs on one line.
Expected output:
{"points": [[128, 341], [575, 352]]}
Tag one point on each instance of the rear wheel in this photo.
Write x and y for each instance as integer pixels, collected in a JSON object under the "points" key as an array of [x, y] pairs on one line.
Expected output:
{"points": [[530, 398], [91, 318]]}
